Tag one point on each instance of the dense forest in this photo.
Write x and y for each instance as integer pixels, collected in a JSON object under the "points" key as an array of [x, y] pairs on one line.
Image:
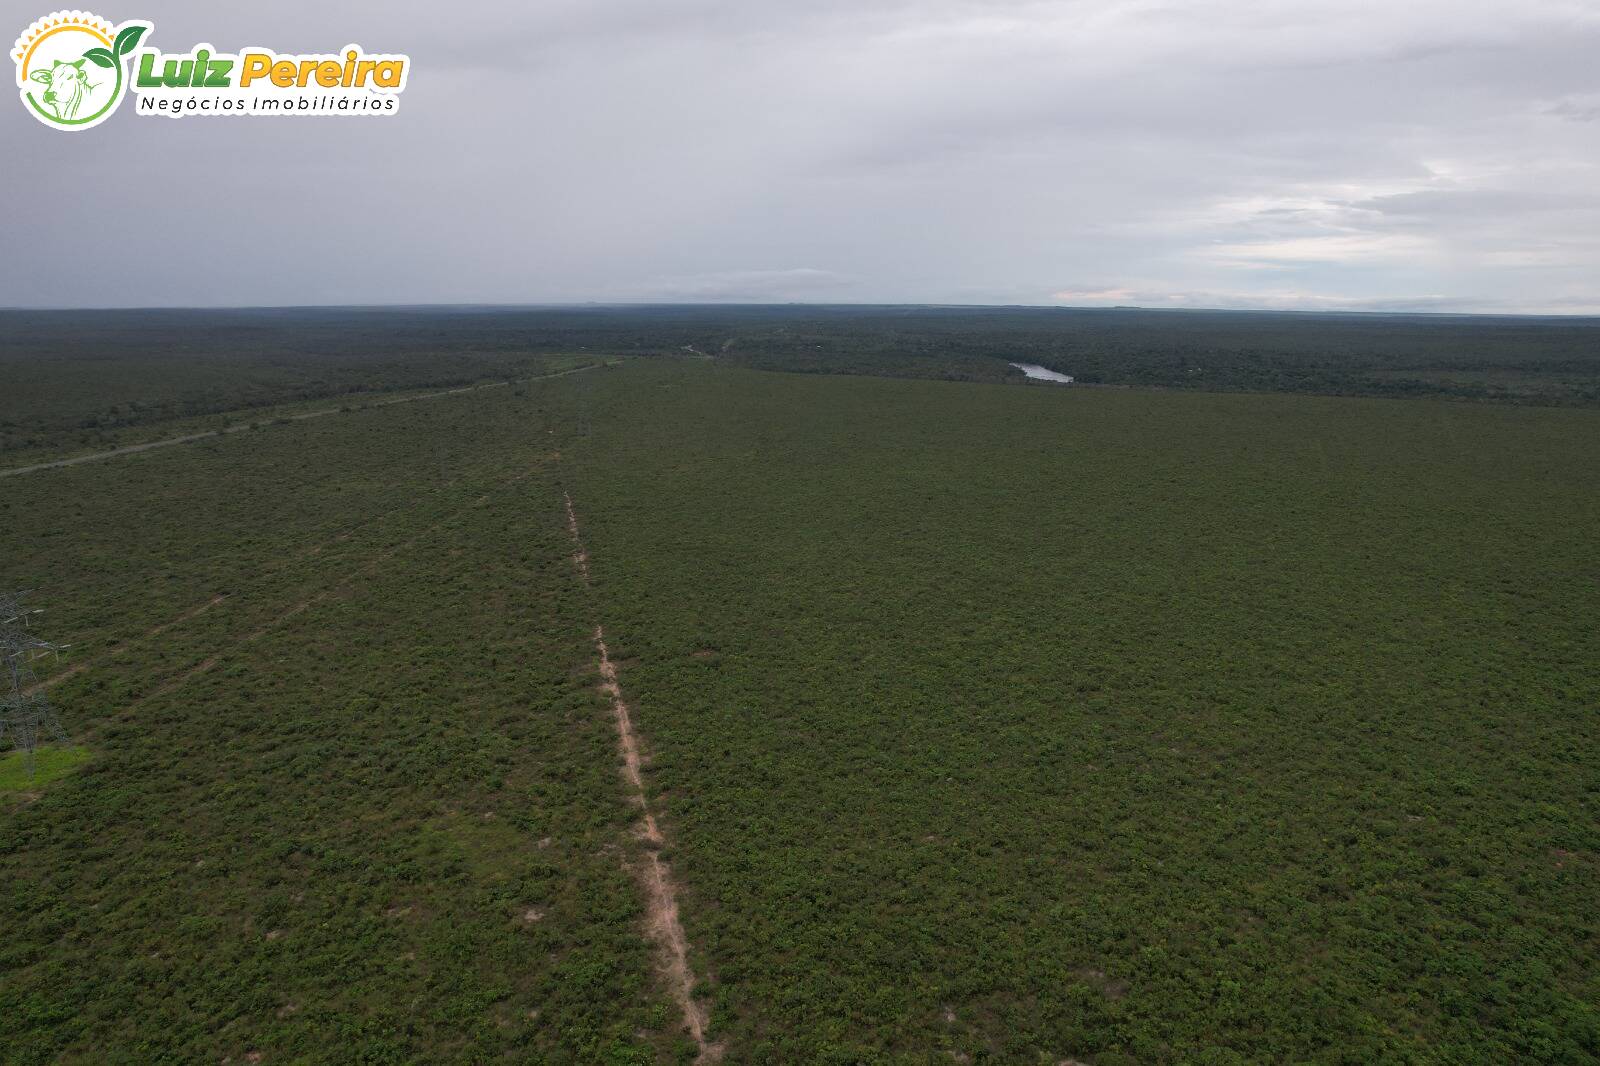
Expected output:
{"points": [[81, 380]]}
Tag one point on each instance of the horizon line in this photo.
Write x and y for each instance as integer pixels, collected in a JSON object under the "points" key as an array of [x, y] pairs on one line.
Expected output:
{"points": [[712, 304]]}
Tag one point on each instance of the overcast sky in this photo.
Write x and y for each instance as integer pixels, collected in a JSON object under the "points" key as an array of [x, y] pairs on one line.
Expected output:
{"points": [[1366, 154]]}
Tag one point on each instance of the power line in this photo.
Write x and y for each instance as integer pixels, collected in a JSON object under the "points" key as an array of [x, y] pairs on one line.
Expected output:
{"points": [[25, 713]]}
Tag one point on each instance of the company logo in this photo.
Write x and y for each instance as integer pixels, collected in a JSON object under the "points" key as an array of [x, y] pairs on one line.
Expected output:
{"points": [[73, 69]]}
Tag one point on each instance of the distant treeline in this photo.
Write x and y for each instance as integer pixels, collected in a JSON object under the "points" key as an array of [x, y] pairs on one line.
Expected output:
{"points": [[76, 379]]}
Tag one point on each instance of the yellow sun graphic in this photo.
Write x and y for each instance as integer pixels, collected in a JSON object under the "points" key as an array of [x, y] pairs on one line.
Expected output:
{"points": [[61, 22]]}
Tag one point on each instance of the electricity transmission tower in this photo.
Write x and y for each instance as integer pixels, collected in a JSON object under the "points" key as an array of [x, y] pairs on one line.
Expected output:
{"points": [[25, 711]]}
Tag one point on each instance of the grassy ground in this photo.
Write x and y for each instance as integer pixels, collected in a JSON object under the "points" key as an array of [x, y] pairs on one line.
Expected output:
{"points": [[988, 724], [23, 781]]}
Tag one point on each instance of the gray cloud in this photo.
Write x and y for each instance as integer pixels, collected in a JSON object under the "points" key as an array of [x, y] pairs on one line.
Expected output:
{"points": [[1577, 108], [751, 286], [1316, 154], [1476, 203]]}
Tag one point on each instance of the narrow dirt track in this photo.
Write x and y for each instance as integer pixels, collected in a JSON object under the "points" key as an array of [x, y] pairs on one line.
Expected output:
{"points": [[73, 671], [661, 891], [220, 598], [194, 671], [185, 616], [239, 427]]}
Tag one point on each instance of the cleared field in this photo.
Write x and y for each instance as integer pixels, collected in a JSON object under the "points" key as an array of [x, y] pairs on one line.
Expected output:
{"points": [[987, 724]]}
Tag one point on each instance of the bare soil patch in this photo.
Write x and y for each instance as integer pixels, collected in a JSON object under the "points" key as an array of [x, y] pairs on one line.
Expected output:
{"points": [[661, 892]]}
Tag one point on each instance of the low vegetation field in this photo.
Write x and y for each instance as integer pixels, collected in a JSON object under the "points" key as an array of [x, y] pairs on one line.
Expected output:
{"points": [[1040, 724], [982, 724], [352, 795]]}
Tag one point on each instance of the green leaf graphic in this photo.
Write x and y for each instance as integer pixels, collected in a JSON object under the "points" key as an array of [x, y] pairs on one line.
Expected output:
{"points": [[100, 57], [127, 39]]}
